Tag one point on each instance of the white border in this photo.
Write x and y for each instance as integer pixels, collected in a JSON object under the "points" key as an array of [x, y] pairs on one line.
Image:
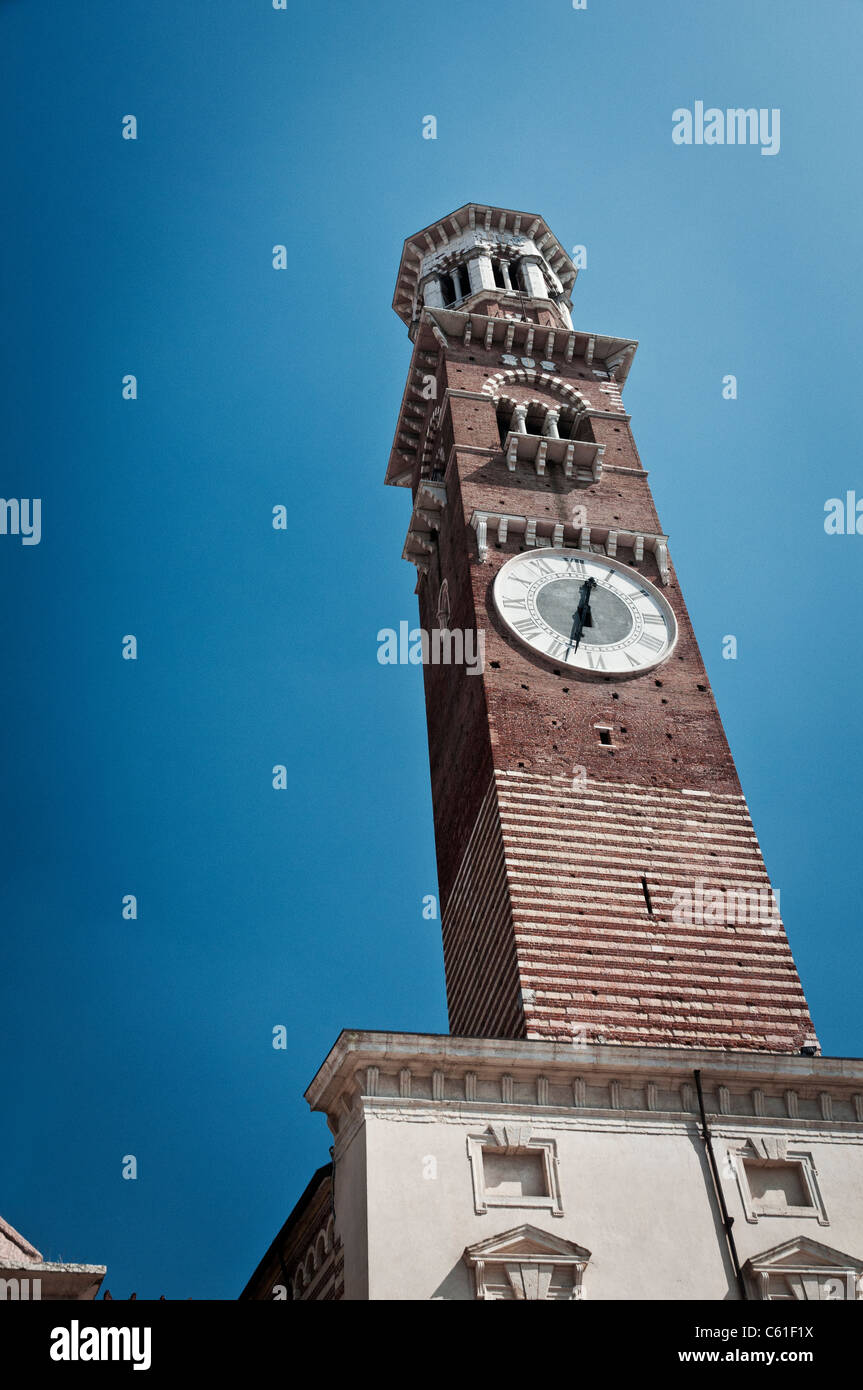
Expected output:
{"points": [[569, 552]]}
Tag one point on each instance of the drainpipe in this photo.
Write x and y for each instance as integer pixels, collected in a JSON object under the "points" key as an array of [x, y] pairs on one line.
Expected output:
{"points": [[727, 1220]]}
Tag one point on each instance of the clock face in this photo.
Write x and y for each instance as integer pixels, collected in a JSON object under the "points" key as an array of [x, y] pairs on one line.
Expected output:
{"points": [[585, 611]]}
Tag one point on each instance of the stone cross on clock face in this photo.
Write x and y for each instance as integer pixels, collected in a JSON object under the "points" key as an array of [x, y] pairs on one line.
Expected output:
{"points": [[589, 612]]}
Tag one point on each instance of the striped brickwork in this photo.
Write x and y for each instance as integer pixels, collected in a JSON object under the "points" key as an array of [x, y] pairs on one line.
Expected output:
{"points": [[632, 914]]}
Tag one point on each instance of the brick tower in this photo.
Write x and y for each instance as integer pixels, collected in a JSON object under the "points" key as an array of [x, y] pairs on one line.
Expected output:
{"points": [[631, 1103], [598, 870]]}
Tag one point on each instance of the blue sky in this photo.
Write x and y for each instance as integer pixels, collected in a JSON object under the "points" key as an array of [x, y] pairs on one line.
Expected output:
{"points": [[304, 908]]}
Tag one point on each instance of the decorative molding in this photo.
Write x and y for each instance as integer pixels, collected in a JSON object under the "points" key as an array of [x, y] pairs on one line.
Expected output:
{"points": [[772, 1152], [368, 1064], [580, 459], [804, 1270], [527, 1264], [541, 532], [426, 517], [527, 375], [513, 1142]]}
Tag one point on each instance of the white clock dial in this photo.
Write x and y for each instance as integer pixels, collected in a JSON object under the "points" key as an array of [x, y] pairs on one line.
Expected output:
{"points": [[585, 611]]}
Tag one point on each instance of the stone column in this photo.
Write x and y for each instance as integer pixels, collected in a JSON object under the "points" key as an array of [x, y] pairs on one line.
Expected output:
{"points": [[433, 294], [562, 309], [534, 279], [481, 274]]}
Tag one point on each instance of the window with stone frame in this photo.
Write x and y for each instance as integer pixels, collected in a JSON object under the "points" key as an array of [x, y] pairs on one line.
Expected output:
{"points": [[512, 1167], [527, 1264], [776, 1179], [804, 1270]]}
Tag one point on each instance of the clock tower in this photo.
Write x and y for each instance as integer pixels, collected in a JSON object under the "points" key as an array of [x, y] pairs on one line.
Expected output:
{"points": [[631, 1103], [599, 874]]}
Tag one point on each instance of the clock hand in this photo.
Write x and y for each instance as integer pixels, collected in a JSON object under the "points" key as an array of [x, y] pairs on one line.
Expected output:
{"points": [[581, 617]]}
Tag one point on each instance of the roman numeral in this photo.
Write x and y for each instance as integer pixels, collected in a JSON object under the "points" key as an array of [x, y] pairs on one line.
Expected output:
{"points": [[653, 618], [557, 648], [631, 659], [543, 568], [653, 644], [514, 602], [574, 565], [517, 579], [526, 627], [595, 660]]}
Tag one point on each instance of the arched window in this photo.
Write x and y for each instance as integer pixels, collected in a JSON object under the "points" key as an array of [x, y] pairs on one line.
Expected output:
{"points": [[566, 422], [443, 607], [535, 420], [447, 289], [515, 275], [505, 407], [455, 285]]}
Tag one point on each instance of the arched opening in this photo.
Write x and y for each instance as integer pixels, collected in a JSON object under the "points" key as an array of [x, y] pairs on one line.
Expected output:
{"points": [[567, 422], [443, 607], [505, 408], [447, 289]]}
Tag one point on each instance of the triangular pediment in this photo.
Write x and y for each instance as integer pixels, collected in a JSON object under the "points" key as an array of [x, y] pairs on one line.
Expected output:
{"points": [[14, 1247], [527, 1242], [767, 1146], [802, 1252]]}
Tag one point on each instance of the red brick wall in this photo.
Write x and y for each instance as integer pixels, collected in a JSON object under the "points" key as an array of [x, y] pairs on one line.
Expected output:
{"points": [[589, 955]]}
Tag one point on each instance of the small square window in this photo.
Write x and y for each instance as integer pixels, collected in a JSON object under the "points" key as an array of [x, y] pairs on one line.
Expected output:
{"points": [[776, 1186], [511, 1168], [776, 1180], [514, 1175]]}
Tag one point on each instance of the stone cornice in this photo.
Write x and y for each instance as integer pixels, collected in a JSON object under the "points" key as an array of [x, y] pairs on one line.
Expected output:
{"points": [[494, 332], [545, 531], [438, 235], [457, 329], [437, 1071]]}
